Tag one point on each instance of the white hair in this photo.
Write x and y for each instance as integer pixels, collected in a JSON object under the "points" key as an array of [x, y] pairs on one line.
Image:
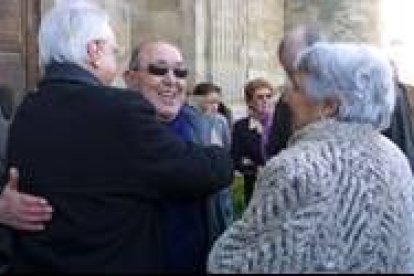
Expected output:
{"points": [[68, 27], [359, 76]]}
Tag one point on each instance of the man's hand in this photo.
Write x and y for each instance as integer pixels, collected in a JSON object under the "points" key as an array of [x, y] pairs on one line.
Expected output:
{"points": [[22, 211]]}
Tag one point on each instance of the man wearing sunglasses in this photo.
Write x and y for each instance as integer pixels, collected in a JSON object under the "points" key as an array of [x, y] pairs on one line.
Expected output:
{"points": [[157, 71]]}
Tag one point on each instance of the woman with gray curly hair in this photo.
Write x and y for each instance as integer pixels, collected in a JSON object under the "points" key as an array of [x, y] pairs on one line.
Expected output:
{"points": [[340, 197]]}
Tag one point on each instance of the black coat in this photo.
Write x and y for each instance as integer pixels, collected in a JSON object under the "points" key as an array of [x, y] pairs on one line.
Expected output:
{"points": [[401, 130], [105, 164], [281, 129], [246, 145]]}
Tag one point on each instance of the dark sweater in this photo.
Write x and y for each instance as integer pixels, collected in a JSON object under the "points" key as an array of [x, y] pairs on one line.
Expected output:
{"points": [[185, 222]]}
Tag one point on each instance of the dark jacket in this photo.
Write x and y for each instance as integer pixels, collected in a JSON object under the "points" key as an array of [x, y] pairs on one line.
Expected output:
{"points": [[246, 148], [103, 161], [280, 130], [401, 130], [193, 226], [185, 222], [247, 154]]}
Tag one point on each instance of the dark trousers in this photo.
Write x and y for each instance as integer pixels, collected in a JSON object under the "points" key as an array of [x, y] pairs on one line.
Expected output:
{"points": [[6, 251], [249, 181]]}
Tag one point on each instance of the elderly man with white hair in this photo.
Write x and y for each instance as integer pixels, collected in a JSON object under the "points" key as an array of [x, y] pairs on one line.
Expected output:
{"points": [[340, 197]]}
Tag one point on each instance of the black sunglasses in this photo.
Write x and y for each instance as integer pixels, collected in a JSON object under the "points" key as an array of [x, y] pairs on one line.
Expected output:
{"points": [[161, 70]]}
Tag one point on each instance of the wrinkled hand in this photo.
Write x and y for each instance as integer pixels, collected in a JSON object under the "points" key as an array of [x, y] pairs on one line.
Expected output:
{"points": [[22, 211]]}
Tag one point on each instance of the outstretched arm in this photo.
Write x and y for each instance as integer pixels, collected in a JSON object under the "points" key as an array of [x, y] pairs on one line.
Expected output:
{"points": [[171, 167], [22, 211]]}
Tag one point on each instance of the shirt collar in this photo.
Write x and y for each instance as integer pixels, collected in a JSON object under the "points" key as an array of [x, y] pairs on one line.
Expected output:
{"points": [[254, 124]]}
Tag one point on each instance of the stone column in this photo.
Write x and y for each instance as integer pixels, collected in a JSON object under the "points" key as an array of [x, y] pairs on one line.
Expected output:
{"points": [[265, 30], [226, 39], [242, 38]]}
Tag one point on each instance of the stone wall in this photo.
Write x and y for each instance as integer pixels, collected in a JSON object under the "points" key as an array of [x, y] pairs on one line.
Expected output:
{"points": [[231, 41], [265, 29], [140, 20], [350, 20], [171, 21], [240, 42]]}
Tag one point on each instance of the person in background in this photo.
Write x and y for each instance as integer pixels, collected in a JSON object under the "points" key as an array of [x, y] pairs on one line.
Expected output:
{"points": [[224, 110], [207, 98], [158, 72], [99, 155], [250, 133], [291, 44], [340, 197]]}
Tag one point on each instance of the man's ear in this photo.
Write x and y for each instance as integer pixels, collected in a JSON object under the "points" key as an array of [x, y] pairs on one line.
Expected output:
{"points": [[94, 55]]}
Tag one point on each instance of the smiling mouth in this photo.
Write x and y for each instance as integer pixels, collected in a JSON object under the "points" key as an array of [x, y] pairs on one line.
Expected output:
{"points": [[168, 97]]}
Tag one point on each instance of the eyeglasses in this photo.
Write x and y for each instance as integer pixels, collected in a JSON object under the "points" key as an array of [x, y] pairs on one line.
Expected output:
{"points": [[162, 70]]}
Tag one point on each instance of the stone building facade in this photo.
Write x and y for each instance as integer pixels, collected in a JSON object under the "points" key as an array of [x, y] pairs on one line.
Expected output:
{"points": [[231, 41]]}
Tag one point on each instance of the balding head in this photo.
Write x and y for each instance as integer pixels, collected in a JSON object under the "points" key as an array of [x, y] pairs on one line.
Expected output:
{"points": [[158, 71], [147, 49], [295, 41]]}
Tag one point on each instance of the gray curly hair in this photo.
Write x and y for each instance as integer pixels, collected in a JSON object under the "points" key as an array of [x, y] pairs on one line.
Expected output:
{"points": [[359, 76]]}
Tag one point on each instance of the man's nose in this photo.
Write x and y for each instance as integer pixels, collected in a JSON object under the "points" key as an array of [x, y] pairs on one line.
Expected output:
{"points": [[170, 77]]}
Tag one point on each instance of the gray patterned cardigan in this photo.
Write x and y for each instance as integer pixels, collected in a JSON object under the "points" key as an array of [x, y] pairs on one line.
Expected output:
{"points": [[339, 199]]}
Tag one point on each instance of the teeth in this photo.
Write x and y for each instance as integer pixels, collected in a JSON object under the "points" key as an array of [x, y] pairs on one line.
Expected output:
{"points": [[168, 94], [168, 97]]}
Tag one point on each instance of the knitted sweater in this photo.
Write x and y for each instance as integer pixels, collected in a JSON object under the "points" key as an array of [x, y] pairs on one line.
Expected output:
{"points": [[339, 199]]}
